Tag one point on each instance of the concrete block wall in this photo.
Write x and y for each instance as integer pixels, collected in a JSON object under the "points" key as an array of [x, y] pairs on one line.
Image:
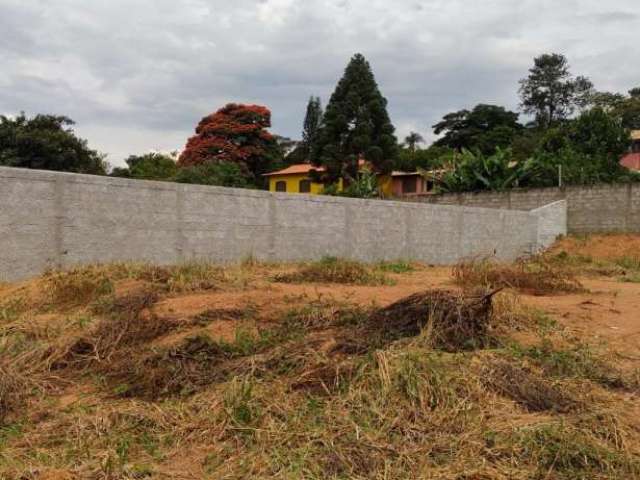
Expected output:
{"points": [[590, 209], [57, 220]]}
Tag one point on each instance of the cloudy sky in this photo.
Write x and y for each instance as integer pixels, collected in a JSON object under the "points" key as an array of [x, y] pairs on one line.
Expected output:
{"points": [[137, 75]]}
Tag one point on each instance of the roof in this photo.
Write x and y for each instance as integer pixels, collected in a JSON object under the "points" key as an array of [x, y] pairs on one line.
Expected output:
{"points": [[635, 134], [297, 168], [631, 161]]}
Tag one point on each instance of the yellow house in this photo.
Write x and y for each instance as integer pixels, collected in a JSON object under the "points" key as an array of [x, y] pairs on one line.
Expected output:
{"points": [[296, 179]]}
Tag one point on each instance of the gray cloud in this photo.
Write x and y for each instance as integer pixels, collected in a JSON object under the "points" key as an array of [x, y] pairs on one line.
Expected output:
{"points": [[138, 74]]}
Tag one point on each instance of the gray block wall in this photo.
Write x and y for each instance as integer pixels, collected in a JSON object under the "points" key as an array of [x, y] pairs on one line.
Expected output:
{"points": [[57, 220], [590, 209]]}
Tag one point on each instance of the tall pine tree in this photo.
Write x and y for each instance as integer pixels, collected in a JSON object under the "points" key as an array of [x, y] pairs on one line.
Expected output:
{"points": [[355, 124], [311, 126]]}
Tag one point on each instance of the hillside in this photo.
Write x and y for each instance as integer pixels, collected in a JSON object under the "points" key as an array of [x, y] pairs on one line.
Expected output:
{"points": [[327, 370]]}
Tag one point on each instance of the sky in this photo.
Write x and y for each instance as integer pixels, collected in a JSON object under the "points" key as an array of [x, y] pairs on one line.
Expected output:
{"points": [[137, 75]]}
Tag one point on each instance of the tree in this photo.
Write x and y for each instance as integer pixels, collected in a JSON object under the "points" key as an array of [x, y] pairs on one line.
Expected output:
{"points": [[238, 134], [550, 92], [151, 166], [355, 125], [47, 142], [412, 140], [223, 174], [485, 128], [475, 171], [311, 126]]}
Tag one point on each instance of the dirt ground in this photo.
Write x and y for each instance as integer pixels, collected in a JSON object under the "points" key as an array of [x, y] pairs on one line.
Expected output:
{"points": [[606, 314]]}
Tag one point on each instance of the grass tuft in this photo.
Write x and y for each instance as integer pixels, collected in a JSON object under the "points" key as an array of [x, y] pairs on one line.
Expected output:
{"points": [[537, 276], [336, 270]]}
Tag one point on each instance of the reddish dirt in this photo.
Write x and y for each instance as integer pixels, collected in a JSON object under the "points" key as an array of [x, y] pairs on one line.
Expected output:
{"points": [[609, 311]]}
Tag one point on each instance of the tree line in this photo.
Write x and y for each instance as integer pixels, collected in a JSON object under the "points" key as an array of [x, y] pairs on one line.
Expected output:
{"points": [[574, 134]]}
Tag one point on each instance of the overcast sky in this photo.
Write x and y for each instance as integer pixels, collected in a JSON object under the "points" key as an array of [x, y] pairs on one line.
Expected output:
{"points": [[137, 75]]}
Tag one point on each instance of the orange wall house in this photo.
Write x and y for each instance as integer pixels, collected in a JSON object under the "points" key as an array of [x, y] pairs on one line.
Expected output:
{"points": [[632, 159], [407, 184]]}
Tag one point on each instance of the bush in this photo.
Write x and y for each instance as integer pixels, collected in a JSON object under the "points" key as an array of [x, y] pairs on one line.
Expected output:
{"points": [[335, 270], [537, 276]]}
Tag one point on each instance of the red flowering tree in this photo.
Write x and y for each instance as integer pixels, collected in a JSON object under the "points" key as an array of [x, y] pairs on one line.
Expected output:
{"points": [[234, 134]]}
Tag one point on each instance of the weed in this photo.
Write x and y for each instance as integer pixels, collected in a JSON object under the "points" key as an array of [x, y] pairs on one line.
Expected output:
{"points": [[632, 278], [628, 262], [398, 266], [239, 404], [77, 287], [11, 310], [194, 276], [336, 270], [536, 275], [527, 388], [571, 452], [576, 362]]}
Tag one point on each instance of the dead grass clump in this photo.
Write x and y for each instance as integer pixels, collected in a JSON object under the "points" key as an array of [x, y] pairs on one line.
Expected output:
{"points": [[77, 287], [452, 321], [529, 389], [577, 361], [181, 370], [13, 391], [325, 378], [562, 450], [128, 323], [335, 270], [536, 276]]}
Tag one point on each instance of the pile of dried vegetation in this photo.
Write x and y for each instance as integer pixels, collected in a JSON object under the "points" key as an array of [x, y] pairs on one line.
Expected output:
{"points": [[536, 275]]}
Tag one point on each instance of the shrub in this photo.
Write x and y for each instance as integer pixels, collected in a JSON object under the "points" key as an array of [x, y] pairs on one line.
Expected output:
{"points": [[335, 270], [537, 276]]}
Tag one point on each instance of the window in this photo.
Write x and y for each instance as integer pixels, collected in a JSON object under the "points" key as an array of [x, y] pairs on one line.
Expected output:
{"points": [[409, 185], [305, 186], [281, 186], [429, 185]]}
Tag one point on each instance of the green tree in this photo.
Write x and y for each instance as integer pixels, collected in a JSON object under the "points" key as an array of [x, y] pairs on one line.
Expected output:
{"points": [[425, 158], [626, 108], [47, 142], [412, 140], [311, 126], [151, 166], [550, 92], [588, 149], [485, 128], [223, 174], [355, 124]]}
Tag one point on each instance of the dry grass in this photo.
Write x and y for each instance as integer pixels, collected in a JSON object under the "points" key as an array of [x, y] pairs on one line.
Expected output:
{"points": [[451, 321], [434, 386], [336, 270], [536, 276], [530, 389]]}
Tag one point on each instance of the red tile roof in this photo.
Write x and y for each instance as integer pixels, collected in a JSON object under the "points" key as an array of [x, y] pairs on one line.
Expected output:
{"points": [[631, 161], [304, 168], [296, 168]]}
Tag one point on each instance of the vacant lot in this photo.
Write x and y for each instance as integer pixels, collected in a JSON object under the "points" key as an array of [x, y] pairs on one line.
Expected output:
{"points": [[327, 370]]}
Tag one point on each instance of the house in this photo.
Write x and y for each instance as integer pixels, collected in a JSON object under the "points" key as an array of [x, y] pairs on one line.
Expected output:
{"points": [[632, 159], [409, 184], [297, 179]]}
